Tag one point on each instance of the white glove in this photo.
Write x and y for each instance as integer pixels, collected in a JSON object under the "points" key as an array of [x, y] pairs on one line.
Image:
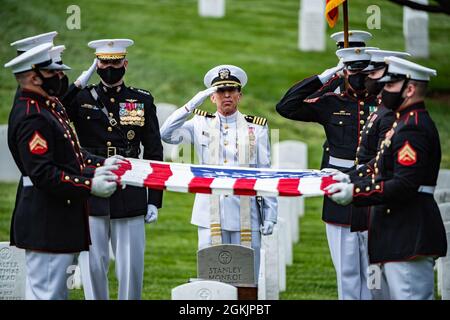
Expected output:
{"points": [[341, 67], [152, 214], [341, 193], [341, 177], [329, 170], [103, 185], [116, 159], [105, 170], [267, 228], [83, 79], [327, 74], [199, 98]]}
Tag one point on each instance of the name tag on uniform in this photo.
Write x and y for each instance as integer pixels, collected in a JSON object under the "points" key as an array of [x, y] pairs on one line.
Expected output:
{"points": [[89, 106], [342, 113]]}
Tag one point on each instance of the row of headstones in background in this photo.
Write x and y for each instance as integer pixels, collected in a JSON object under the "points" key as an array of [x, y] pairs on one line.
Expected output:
{"points": [[442, 196], [312, 28]]}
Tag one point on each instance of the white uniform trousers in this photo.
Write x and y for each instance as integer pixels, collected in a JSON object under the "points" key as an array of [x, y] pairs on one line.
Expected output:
{"points": [[350, 259], [128, 244], [232, 237], [47, 275], [408, 280]]}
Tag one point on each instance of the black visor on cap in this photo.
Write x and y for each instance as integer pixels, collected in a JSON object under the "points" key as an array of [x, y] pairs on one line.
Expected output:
{"points": [[356, 65], [351, 44]]}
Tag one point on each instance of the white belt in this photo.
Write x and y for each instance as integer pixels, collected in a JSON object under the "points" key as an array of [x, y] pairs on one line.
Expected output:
{"points": [[27, 182], [338, 162], [426, 189]]}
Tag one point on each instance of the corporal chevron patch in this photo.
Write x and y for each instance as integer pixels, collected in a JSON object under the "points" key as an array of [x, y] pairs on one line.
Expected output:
{"points": [[38, 144], [407, 156]]}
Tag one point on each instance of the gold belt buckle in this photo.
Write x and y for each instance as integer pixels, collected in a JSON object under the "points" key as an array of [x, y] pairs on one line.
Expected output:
{"points": [[112, 151]]}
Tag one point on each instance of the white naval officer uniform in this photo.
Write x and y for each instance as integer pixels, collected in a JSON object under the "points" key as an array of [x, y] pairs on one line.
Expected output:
{"points": [[198, 131]]}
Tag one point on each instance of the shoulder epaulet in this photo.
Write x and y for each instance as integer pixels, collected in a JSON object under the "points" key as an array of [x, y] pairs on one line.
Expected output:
{"points": [[141, 91], [412, 118], [203, 113], [256, 120], [32, 106]]}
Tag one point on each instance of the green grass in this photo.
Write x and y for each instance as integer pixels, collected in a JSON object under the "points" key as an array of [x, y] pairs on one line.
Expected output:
{"points": [[173, 50]]}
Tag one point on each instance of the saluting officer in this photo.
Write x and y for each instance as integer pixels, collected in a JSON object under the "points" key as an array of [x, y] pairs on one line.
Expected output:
{"points": [[50, 218], [336, 84], [342, 116], [227, 138], [406, 232], [378, 123], [66, 93], [113, 119]]}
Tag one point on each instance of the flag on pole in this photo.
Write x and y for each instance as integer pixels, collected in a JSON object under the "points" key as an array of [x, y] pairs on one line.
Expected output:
{"points": [[332, 11], [221, 180]]}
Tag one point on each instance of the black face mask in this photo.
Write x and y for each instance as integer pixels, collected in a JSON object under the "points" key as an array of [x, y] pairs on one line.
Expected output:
{"points": [[357, 80], [52, 85], [373, 87], [393, 100], [111, 75], [64, 86]]}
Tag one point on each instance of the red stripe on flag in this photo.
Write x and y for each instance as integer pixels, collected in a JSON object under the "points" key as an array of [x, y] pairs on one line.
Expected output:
{"points": [[326, 181], [157, 179], [124, 166], [244, 187], [200, 185], [288, 187]]}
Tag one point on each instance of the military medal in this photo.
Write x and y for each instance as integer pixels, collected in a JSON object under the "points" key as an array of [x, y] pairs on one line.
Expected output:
{"points": [[131, 134]]}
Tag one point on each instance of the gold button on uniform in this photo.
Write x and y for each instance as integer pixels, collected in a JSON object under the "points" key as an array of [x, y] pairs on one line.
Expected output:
{"points": [[340, 122], [377, 187], [67, 178], [88, 117], [388, 211], [89, 161], [76, 180], [87, 182], [225, 161], [361, 103], [357, 190], [68, 202], [225, 143], [225, 126], [362, 122], [111, 114], [112, 100], [109, 129], [109, 143]]}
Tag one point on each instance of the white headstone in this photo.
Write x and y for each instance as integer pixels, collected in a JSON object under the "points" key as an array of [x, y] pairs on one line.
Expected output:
{"points": [[311, 24], [443, 180], [12, 272], [163, 111], [415, 31], [290, 154], [262, 276], [444, 277], [211, 8], [442, 195], [270, 246], [205, 290], [284, 214], [282, 239], [8, 168]]}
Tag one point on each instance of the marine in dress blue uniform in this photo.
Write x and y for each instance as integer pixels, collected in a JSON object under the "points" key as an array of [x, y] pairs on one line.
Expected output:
{"points": [[406, 232]]}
